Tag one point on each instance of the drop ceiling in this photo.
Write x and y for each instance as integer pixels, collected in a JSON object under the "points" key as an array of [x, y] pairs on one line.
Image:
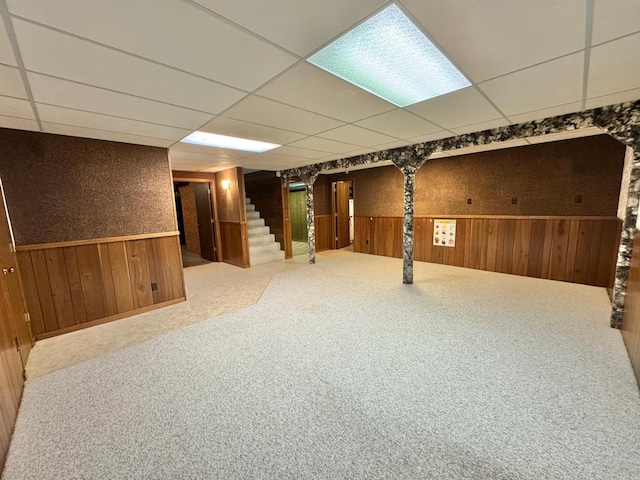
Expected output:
{"points": [[153, 71]]}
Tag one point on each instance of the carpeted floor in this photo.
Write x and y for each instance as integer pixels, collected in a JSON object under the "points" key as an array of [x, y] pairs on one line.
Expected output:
{"points": [[341, 371]]}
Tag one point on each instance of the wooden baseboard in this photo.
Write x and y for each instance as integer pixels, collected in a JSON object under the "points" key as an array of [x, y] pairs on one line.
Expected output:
{"points": [[112, 318]]}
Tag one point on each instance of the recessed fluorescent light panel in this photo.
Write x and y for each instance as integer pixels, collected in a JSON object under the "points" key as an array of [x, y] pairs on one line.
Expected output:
{"points": [[390, 57], [222, 141]]}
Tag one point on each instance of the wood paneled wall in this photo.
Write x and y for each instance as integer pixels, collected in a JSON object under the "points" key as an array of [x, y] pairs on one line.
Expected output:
{"points": [[79, 284], [571, 249], [324, 233], [631, 321], [11, 380], [235, 238]]}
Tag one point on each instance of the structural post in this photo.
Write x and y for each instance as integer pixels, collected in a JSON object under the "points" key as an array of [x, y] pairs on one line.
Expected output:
{"points": [[625, 250], [309, 177], [408, 166]]}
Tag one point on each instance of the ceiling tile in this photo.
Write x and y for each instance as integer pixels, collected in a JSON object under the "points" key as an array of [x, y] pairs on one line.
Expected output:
{"points": [[19, 123], [96, 121], [614, 19], [54, 91], [620, 97], [309, 87], [273, 114], [293, 153], [553, 137], [431, 137], [614, 67], [103, 135], [399, 123], [188, 167], [546, 112], [53, 53], [251, 131], [266, 161], [6, 50], [187, 149], [456, 109], [543, 86], [300, 27], [479, 127], [487, 39], [11, 82], [437, 155], [15, 107], [392, 145], [485, 148], [356, 136], [324, 145], [169, 32]]}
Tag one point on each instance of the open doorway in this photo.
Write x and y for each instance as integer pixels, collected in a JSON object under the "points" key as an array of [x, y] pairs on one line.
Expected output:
{"points": [[195, 222], [298, 215], [342, 211]]}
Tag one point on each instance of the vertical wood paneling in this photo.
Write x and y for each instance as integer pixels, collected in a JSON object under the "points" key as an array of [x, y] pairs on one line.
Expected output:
{"points": [[90, 271], [30, 287], [60, 290], [75, 285], [44, 291], [521, 243], [119, 266], [139, 273], [68, 287], [324, 232], [559, 248], [571, 250], [170, 248], [111, 303], [631, 319]]}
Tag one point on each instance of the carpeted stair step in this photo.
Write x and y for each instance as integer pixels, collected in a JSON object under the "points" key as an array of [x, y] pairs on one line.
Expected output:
{"points": [[263, 238], [255, 222], [266, 257], [258, 230], [263, 247]]}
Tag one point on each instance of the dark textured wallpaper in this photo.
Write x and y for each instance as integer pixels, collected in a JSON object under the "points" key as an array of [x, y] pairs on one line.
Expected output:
{"points": [[61, 188], [545, 179]]}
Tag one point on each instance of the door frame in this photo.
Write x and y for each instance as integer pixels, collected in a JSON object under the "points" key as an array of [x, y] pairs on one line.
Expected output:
{"points": [[214, 211], [334, 212]]}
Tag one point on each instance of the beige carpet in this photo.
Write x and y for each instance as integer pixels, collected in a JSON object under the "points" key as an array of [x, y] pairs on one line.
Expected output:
{"points": [[212, 290], [340, 371]]}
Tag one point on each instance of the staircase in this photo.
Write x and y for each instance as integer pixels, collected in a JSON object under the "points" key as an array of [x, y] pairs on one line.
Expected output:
{"points": [[263, 247]]}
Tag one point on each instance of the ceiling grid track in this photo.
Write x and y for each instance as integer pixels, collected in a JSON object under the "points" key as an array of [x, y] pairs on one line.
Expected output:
{"points": [[8, 25], [587, 50]]}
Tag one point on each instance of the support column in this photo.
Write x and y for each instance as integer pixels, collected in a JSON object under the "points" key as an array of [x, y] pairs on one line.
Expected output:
{"points": [[408, 166], [626, 243], [309, 178]]}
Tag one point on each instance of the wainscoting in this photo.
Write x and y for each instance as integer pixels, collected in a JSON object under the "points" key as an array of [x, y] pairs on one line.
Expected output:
{"points": [[572, 249], [324, 233], [73, 285], [631, 321], [235, 246]]}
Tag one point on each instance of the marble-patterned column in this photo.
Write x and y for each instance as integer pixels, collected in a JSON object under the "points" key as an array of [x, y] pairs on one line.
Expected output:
{"points": [[408, 165], [625, 249], [309, 177]]}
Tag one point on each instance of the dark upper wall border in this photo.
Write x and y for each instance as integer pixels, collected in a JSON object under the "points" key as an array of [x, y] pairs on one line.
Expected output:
{"points": [[621, 121]]}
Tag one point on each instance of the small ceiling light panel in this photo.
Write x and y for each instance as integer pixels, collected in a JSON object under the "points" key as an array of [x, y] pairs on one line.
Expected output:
{"points": [[223, 141], [390, 57]]}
